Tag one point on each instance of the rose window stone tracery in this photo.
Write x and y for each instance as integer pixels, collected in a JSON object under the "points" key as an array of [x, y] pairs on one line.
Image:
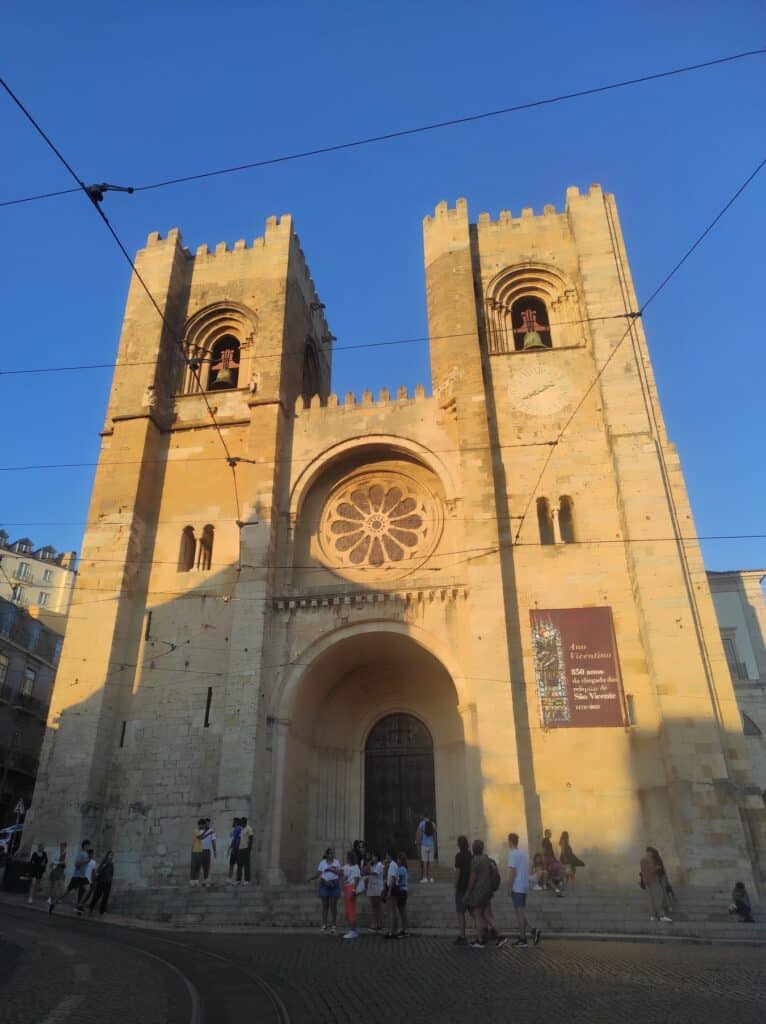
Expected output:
{"points": [[380, 522]]}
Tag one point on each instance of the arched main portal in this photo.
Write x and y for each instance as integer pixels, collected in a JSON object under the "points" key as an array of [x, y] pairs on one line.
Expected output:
{"points": [[398, 782], [333, 714]]}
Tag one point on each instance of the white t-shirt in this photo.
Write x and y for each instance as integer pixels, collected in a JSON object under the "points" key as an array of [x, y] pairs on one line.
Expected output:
{"points": [[519, 860], [351, 874], [324, 870], [208, 838], [393, 875], [90, 870], [375, 879]]}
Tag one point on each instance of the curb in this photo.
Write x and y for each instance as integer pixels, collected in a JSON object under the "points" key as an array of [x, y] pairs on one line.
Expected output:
{"points": [[136, 923]]}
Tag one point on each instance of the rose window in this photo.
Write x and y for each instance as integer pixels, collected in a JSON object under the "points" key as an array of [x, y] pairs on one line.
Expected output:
{"points": [[378, 522]]}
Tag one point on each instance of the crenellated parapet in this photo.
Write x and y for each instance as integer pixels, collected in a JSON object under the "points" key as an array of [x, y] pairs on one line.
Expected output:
{"points": [[368, 400]]}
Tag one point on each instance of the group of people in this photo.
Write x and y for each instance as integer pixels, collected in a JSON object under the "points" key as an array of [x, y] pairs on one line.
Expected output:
{"points": [[554, 872], [205, 846], [384, 879], [89, 885]]}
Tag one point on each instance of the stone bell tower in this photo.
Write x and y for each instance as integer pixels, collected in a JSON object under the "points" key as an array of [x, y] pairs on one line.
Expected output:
{"points": [[538, 353], [176, 551]]}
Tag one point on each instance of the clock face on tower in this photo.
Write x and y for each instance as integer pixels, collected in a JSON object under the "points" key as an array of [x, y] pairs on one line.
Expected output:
{"points": [[538, 389]]}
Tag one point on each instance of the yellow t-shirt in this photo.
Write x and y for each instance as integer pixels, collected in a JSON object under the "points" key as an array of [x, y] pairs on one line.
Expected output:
{"points": [[196, 843]]}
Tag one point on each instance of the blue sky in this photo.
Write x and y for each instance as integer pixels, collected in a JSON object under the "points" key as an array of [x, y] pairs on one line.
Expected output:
{"points": [[137, 94]]}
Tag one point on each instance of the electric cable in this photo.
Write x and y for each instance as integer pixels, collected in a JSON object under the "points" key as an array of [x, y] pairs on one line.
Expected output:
{"points": [[653, 295], [403, 132], [95, 201]]}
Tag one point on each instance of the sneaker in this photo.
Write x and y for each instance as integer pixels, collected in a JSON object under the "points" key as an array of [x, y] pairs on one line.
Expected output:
{"points": [[667, 920], [390, 935], [653, 918], [478, 945], [461, 940], [424, 881], [521, 943], [536, 936], [501, 940], [558, 892], [538, 888], [351, 935], [331, 929], [29, 899], [431, 880], [51, 905], [402, 935]]}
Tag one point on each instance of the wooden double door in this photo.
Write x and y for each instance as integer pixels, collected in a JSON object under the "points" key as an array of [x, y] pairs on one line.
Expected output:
{"points": [[398, 782]]}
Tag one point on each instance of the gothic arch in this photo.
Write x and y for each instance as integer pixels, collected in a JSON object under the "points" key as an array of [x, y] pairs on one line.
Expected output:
{"points": [[206, 329], [543, 284]]}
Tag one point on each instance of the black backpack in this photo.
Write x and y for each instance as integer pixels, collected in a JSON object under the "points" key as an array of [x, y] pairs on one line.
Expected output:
{"points": [[429, 828], [494, 875]]}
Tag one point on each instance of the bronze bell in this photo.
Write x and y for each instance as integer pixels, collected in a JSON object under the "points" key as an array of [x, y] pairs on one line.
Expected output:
{"points": [[224, 377], [532, 340]]}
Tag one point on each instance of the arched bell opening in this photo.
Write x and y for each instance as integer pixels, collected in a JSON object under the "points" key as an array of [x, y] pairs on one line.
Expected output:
{"points": [[530, 324], [224, 364]]}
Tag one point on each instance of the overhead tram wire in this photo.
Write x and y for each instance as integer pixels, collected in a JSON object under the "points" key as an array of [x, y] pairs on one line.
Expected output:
{"points": [[654, 294], [95, 201], [299, 353], [404, 132]]}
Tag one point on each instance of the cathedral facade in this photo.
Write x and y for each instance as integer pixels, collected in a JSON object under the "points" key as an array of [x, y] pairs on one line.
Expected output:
{"points": [[337, 613]]}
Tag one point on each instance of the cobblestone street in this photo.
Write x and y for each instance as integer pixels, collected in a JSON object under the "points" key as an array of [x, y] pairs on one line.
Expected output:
{"points": [[62, 969]]}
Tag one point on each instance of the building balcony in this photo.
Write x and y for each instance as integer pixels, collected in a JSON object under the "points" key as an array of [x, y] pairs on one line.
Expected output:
{"points": [[29, 705]]}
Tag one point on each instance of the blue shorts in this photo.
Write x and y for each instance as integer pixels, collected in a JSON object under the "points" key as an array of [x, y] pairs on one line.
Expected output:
{"points": [[519, 899], [329, 890]]}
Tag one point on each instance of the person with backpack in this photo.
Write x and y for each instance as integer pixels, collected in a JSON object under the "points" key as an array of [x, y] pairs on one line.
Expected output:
{"points": [[425, 839], [483, 883], [103, 883]]}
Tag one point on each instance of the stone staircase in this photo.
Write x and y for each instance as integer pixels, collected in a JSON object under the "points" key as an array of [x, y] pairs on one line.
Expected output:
{"points": [[698, 914]]}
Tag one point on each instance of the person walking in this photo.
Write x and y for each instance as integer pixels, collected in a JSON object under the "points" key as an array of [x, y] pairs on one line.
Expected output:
{"points": [[57, 875], [651, 871], [740, 904], [352, 876], [462, 876], [209, 848], [328, 872], [90, 878], [38, 862], [103, 884], [478, 899], [78, 883], [518, 887], [233, 848], [569, 859], [391, 892], [373, 872], [244, 853], [196, 853], [425, 840]]}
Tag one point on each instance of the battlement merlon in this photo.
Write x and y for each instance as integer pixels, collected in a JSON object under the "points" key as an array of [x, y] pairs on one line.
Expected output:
{"points": [[445, 216]]}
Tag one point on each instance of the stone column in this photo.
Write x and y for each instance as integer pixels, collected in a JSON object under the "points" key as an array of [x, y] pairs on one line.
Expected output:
{"points": [[274, 874]]}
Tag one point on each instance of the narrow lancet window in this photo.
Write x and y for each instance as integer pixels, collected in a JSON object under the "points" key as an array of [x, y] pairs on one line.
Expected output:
{"points": [[545, 521], [566, 519], [205, 554], [188, 550]]}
